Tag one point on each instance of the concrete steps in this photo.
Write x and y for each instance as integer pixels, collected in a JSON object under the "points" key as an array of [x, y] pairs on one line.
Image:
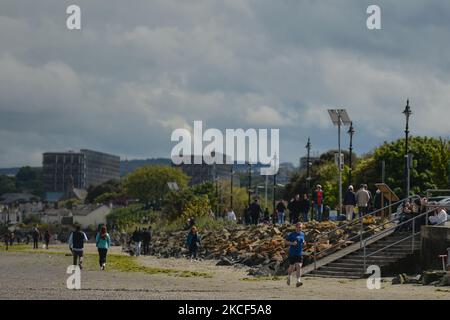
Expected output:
{"points": [[351, 265]]}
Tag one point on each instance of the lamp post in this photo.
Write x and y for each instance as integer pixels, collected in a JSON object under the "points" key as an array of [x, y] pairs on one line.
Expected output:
{"points": [[339, 117], [274, 182], [231, 188], [308, 160], [407, 112], [351, 132], [249, 181]]}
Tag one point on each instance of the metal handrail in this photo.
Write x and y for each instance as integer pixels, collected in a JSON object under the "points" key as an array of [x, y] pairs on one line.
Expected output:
{"points": [[413, 234], [352, 223]]}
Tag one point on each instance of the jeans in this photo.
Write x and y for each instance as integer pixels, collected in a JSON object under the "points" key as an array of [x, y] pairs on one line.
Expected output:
{"points": [[305, 216], [35, 244], [318, 209], [102, 256], [281, 217], [138, 248], [193, 252], [349, 209], [362, 211], [146, 247]]}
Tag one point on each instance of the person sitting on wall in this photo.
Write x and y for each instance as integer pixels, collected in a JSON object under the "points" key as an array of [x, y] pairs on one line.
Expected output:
{"points": [[439, 217]]}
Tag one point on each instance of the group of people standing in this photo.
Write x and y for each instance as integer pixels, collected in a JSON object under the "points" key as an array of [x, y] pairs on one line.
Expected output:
{"points": [[297, 209], [141, 240], [362, 200], [10, 236]]}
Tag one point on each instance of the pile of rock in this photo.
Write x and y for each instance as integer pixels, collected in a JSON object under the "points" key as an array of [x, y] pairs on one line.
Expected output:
{"points": [[436, 278], [260, 247]]}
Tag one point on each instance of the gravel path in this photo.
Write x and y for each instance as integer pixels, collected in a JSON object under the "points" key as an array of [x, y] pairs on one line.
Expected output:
{"points": [[43, 276]]}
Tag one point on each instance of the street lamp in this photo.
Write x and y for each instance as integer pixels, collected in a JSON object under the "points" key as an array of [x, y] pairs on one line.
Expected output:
{"points": [[308, 160], [339, 117], [231, 196], [351, 132], [407, 112]]}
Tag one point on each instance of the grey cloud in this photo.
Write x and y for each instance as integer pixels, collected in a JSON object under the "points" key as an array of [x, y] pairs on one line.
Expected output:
{"points": [[137, 70]]}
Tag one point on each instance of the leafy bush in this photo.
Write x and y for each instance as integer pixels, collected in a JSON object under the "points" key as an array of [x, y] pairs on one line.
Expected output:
{"points": [[31, 219], [125, 218]]}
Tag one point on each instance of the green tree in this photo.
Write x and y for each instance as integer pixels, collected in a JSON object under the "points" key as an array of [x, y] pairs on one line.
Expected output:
{"points": [[30, 180], [430, 165], [149, 183], [109, 187], [7, 184]]}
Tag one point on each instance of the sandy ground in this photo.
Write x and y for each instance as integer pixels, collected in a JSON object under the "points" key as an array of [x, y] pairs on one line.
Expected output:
{"points": [[26, 275]]}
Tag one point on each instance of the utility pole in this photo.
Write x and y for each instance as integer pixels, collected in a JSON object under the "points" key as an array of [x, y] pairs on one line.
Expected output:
{"points": [[407, 112], [274, 182], [308, 160], [351, 132], [231, 195], [249, 182]]}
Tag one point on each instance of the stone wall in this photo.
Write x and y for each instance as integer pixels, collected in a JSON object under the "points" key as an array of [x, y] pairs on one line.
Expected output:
{"points": [[435, 241]]}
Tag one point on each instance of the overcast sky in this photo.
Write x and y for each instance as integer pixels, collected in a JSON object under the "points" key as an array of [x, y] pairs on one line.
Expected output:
{"points": [[139, 69]]}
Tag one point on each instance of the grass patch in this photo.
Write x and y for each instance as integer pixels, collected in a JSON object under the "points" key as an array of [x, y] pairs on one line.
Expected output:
{"points": [[265, 278], [130, 264], [115, 262]]}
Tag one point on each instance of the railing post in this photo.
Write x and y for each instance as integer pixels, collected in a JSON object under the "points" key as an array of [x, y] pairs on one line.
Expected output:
{"points": [[364, 254], [361, 232], [413, 233], [315, 249]]}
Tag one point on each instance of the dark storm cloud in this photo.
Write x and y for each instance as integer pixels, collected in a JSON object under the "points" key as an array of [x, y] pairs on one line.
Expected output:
{"points": [[137, 70]]}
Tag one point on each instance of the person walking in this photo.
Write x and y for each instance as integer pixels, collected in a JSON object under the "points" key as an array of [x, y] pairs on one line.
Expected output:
{"points": [[369, 204], [47, 237], [146, 238], [35, 234], [362, 200], [295, 208], [11, 239], [350, 203], [76, 245], [318, 201], [137, 239], [7, 239], [231, 216], [295, 240], [281, 211], [304, 208], [255, 212], [193, 241], [103, 243]]}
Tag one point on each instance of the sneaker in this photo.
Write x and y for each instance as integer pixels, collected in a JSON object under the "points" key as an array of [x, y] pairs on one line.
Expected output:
{"points": [[299, 284], [80, 266], [288, 281]]}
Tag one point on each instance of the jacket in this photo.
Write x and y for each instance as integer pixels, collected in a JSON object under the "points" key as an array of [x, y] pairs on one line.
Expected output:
{"points": [[103, 243], [350, 199], [362, 198]]}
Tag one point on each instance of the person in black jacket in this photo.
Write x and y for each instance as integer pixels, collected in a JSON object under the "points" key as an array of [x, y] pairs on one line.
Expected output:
{"points": [[281, 211], [349, 203], [146, 238], [295, 208], [304, 208], [137, 239], [255, 212], [76, 245]]}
